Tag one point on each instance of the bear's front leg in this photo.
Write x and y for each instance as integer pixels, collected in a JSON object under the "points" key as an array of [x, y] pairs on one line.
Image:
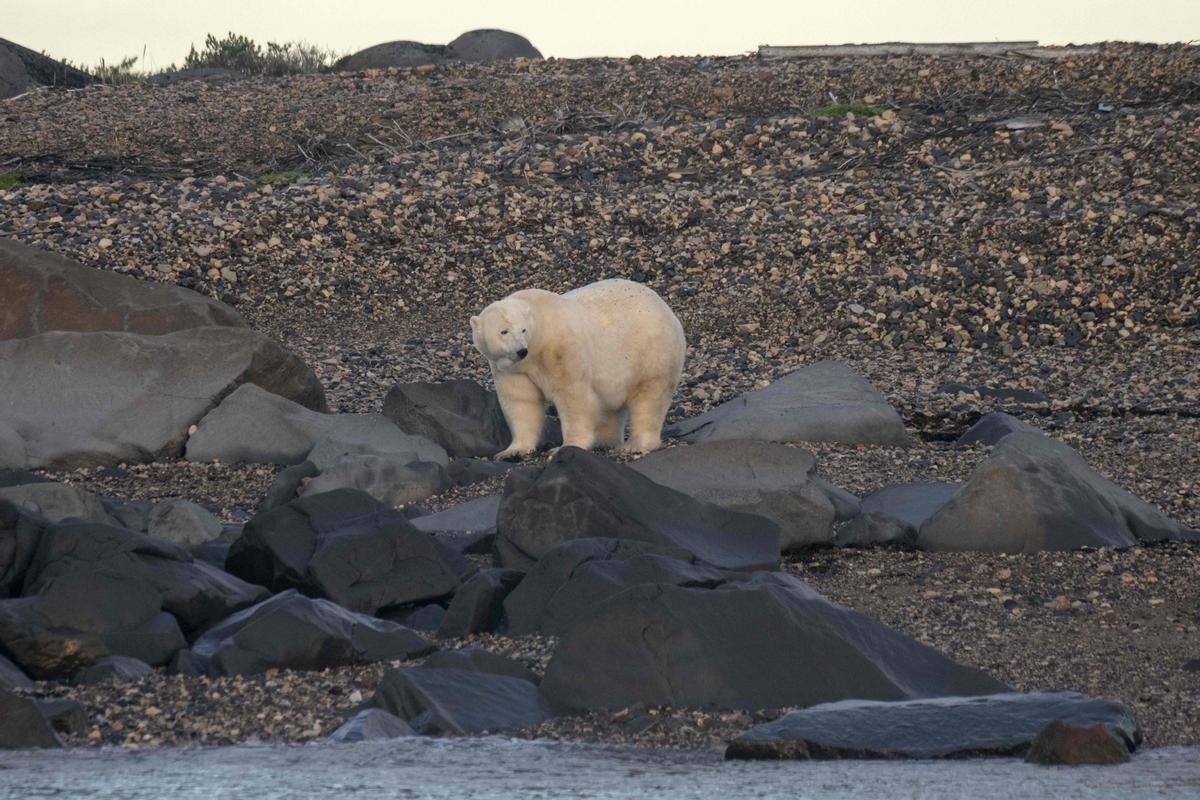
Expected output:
{"points": [[524, 408]]}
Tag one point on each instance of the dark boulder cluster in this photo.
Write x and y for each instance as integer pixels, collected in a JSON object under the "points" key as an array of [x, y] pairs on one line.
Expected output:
{"points": [[473, 47]]}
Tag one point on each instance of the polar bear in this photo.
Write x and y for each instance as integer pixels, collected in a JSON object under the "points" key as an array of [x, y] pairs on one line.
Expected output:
{"points": [[603, 354]]}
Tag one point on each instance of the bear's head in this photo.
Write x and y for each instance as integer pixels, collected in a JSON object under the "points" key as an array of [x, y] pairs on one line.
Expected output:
{"points": [[502, 332]]}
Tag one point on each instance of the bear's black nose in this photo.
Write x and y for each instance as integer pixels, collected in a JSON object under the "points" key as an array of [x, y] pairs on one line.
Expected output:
{"points": [[522, 353]]}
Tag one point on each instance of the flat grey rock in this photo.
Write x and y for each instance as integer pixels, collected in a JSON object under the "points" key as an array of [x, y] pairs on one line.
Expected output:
{"points": [[459, 702], [373, 435], [142, 392], [472, 516], [824, 402], [255, 426], [946, 727], [1034, 493], [57, 502], [894, 514], [12, 676], [22, 724], [771, 480]]}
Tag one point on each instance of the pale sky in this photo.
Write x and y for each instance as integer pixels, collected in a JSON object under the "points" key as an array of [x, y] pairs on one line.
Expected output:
{"points": [[85, 31]]}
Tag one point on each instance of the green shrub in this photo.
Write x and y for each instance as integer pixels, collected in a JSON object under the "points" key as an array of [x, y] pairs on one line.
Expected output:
{"points": [[10, 180], [242, 54], [272, 178], [856, 108]]}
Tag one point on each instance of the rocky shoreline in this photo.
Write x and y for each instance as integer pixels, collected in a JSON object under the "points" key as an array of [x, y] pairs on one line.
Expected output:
{"points": [[951, 261]]}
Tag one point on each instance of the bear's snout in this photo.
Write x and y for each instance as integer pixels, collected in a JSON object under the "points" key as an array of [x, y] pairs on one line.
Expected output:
{"points": [[522, 353]]}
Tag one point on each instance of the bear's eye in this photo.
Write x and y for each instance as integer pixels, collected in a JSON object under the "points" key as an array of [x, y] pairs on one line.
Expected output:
{"points": [[503, 333], [522, 330]]}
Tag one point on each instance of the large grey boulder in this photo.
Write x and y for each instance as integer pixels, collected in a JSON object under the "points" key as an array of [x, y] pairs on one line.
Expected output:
{"points": [[583, 495], [45, 291], [13, 454], [894, 514], [79, 399], [948, 727], [22, 724], [291, 631], [771, 480], [824, 402], [183, 522], [113, 669], [1034, 493], [346, 546], [396, 54], [56, 502], [488, 44], [459, 702], [390, 482], [47, 71], [372, 435], [768, 642]]}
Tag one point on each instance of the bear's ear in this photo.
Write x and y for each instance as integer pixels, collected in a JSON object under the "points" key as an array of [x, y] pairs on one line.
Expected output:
{"points": [[474, 323]]}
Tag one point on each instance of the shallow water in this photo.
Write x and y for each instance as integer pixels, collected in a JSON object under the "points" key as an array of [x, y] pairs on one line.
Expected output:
{"points": [[500, 768]]}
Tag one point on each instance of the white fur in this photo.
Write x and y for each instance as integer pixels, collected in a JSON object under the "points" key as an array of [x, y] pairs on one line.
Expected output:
{"points": [[605, 353]]}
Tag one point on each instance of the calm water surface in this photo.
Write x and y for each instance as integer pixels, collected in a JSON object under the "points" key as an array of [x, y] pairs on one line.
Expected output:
{"points": [[500, 768]]}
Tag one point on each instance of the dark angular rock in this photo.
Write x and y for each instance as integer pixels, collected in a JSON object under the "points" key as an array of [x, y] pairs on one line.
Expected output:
{"points": [[824, 402], [291, 631], [396, 54], [458, 702], [582, 495], [468, 527], [370, 724], [196, 593], [579, 575], [476, 659], [1034, 493], [78, 619], [183, 522], [1061, 743], [372, 435], [20, 477], [894, 514], [47, 71], [12, 677], [774, 481], [22, 724], [113, 669], [768, 642], [20, 532], [946, 727], [478, 605], [134, 515], [460, 415], [185, 662], [993, 427], [428, 617], [347, 547]]}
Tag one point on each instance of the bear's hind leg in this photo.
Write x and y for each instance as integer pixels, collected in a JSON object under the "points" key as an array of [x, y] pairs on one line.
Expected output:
{"points": [[524, 408], [581, 417], [647, 411], [611, 431]]}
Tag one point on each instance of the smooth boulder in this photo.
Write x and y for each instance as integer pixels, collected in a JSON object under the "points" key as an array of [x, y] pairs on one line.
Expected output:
{"points": [[1034, 493], [1061, 743], [460, 415], [345, 546], [489, 44], [113, 669], [993, 427], [771, 480], [478, 605], [87, 399], [291, 631], [45, 291], [182, 522], [583, 495], [767, 642], [895, 514], [824, 402], [255, 426], [469, 527], [372, 435], [396, 54], [950, 727], [57, 502]]}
